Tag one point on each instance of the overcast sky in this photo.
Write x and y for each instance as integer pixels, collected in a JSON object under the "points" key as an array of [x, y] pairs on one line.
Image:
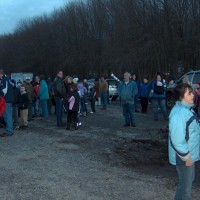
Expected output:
{"points": [[12, 11]]}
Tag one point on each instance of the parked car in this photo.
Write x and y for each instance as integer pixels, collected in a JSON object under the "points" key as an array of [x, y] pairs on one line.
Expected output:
{"points": [[193, 77], [112, 89]]}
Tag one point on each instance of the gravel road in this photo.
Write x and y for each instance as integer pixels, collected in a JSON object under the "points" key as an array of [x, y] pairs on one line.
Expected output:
{"points": [[100, 161]]}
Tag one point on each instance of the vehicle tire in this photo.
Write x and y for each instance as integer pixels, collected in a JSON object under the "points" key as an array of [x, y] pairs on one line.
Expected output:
{"points": [[114, 98], [170, 101]]}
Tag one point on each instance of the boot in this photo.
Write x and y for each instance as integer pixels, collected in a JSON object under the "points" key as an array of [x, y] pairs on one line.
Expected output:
{"points": [[68, 126], [76, 126]]}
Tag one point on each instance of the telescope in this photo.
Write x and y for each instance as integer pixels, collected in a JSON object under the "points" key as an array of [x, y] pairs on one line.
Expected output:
{"points": [[113, 76]]}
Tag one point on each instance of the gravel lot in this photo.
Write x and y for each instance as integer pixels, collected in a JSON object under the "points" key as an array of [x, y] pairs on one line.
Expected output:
{"points": [[100, 161]]}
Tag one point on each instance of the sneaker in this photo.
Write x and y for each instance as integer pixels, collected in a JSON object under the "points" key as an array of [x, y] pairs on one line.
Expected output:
{"points": [[91, 112]]}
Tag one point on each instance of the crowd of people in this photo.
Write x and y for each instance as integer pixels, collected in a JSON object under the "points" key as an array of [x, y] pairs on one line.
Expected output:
{"points": [[36, 98], [69, 94]]}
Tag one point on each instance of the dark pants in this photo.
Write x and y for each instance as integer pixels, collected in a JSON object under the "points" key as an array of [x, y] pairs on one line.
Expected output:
{"points": [[72, 118], [15, 109], [59, 110], [30, 111], [93, 105], [144, 104]]}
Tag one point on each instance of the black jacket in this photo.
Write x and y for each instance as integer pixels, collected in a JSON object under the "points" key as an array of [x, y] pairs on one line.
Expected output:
{"points": [[59, 88], [77, 100], [23, 101]]}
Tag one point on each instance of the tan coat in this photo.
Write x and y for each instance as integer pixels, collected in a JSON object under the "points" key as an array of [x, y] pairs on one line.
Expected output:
{"points": [[30, 91], [103, 86]]}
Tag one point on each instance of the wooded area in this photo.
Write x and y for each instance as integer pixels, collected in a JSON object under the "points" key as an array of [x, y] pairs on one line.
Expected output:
{"points": [[95, 37]]}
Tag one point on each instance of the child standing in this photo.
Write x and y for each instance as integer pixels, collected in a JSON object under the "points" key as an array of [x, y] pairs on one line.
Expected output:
{"points": [[92, 99], [74, 100], [23, 106], [144, 94]]}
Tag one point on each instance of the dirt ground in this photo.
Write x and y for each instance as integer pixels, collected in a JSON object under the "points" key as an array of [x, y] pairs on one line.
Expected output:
{"points": [[100, 161]]}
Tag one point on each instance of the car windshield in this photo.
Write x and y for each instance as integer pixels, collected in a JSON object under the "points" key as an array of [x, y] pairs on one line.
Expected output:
{"points": [[196, 78], [112, 82]]}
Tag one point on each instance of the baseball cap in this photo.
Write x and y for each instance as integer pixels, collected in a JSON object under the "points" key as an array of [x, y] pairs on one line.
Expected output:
{"points": [[28, 78]]}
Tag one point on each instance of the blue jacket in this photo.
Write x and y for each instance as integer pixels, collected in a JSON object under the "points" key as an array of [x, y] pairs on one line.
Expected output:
{"points": [[184, 140], [145, 90], [82, 89], [127, 92], [43, 91]]}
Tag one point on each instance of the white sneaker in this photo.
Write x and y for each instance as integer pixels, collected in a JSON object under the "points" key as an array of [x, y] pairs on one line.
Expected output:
{"points": [[91, 112]]}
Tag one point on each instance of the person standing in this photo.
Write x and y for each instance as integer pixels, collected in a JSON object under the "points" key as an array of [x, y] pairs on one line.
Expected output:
{"points": [[15, 105], [158, 97], [184, 140], [60, 95], [36, 87], [7, 92], [29, 89], [92, 98], [23, 107], [82, 90], [144, 94], [127, 91], [50, 102], [73, 108], [134, 77], [103, 88], [43, 95], [96, 87]]}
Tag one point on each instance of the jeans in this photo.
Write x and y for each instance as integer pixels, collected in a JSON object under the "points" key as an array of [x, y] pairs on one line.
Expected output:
{"points": [[44, 107], [15, 111], [59, 109], [128, 112], [186, 177], [36, 107], [159, 103], [83, 105], [8, 118], [104, 99]]}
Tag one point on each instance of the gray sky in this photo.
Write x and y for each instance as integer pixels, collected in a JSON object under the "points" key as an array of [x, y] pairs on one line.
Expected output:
{"points": [[12, 11]]}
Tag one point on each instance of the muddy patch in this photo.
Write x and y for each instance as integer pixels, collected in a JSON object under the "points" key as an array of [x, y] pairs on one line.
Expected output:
{"points": [[149, 157]]}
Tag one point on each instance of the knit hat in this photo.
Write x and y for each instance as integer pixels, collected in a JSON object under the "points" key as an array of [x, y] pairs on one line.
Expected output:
{"points": [[75, 80]]}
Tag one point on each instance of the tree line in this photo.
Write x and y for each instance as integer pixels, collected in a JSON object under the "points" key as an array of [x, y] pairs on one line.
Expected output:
{"points": [[98, 37]]}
